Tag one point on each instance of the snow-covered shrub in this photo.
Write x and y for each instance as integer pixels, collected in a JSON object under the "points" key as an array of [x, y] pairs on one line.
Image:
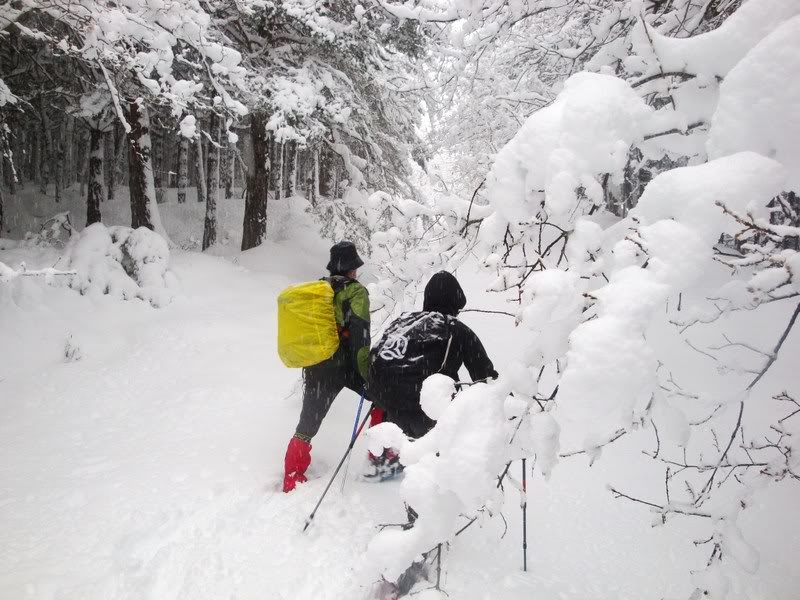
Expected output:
{"points": [[72, 351], [450, 471], [643, 323], [124, 262], [55, 231]]}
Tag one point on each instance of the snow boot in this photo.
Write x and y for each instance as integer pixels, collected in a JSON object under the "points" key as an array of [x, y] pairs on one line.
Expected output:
{"points": [[298, 458]]}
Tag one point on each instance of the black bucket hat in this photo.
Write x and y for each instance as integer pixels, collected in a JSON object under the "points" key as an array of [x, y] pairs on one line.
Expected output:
{"points": [[344, 258], [443, 294]]}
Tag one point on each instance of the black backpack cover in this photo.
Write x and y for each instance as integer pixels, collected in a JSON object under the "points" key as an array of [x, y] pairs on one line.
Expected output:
{"points": [[414, 347]]}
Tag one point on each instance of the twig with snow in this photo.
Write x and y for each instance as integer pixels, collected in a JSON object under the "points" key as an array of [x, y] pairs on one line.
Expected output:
{"points": [[7, 273]]}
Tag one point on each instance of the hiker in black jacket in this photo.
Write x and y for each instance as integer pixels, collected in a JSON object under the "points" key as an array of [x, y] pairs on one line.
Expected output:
{"points": [[419, 344]]}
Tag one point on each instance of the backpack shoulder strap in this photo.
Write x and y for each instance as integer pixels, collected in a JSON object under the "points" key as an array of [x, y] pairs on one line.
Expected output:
{"points": [[449, 327], [338, 283]]}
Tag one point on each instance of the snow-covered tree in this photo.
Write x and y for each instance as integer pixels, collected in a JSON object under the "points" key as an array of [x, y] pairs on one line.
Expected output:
{"points": [[705, 249]]}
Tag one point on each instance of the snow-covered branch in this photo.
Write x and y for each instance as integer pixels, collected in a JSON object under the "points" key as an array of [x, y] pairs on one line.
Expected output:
{"points": [[8, 274]]}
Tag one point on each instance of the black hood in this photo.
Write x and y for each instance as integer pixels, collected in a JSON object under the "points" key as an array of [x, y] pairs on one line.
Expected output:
{"points": [[443, 294]]}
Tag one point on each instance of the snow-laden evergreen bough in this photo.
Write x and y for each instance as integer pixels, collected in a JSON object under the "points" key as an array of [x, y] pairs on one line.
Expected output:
{"points": [[666, 329]]}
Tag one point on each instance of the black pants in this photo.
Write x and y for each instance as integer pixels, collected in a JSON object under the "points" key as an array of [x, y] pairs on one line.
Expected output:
{"points": [[414, 423], [321, 385]]}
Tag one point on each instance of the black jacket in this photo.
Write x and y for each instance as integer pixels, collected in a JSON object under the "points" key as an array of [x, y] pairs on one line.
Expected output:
{"points": [[421, 344], [467, 350], [444, 295], [398, 393]]}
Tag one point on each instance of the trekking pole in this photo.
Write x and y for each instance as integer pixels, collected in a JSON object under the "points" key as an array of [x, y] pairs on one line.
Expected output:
{"points": [[338, 468], [524, 518], [353, 437], [439, 568]]}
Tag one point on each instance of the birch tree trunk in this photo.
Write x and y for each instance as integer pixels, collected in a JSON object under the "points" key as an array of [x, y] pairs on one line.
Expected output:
{"points": [[212, 187], [36, 161], [95, 183], [333, 182], [5, 154], [254, 229], [158, 166], [114, 160], [58, 160], [224, 162], [69, 151], [144, 209], [230, 179], [108, 160], [183, 170], [9, 160], [314, 192], [280, 154], [200, 174], [45, 152], [293, 170], [14, 160], [83, 168]]}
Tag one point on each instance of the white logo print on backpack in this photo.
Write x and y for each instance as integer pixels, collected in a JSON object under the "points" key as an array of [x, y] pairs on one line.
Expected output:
{"points": [[395, 347]]}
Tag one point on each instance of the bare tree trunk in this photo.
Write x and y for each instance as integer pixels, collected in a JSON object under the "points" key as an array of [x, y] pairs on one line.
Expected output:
{"points": [[69, 151], [230, 179], [325, 168], [224, 163], [144, 209], [200, 174], [183, 169], [83, 168], [5, 155], [108, 160], [42, 169], [115, 159], [333, 181], [36, 161], [212, 188], [8, 161], [58, 159], [293, 170], [314, 192], [45, 153], [280, 179], [14, 159], [254, 229], [95, 183], [158, 163]]}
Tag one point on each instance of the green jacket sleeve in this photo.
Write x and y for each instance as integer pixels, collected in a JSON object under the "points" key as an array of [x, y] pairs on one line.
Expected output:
{"points": [[358, 326]]}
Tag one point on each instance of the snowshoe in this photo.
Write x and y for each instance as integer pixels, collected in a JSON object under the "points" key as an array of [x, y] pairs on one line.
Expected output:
{"points": [[384, 467], [384, 590], [406, 583]]}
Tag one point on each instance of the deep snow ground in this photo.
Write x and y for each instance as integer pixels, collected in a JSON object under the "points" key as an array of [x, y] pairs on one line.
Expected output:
{"points": [[149, 468]]}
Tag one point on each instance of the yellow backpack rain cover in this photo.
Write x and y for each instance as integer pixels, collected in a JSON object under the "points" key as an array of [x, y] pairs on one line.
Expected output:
{"points": [[307, 332]]}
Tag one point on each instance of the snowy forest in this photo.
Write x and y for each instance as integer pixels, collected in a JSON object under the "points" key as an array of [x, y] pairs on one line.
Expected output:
{"points": [[614, 183]]}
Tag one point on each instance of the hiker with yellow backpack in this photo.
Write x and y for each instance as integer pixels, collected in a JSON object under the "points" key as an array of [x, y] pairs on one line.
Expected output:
{"points": [[323, 326]]}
